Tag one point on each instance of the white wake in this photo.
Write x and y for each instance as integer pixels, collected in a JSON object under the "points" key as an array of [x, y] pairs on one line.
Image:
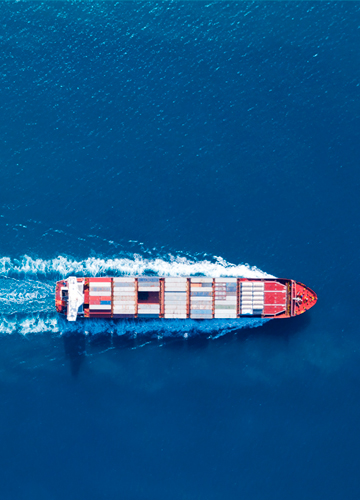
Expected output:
{"points": [[136, 265]]}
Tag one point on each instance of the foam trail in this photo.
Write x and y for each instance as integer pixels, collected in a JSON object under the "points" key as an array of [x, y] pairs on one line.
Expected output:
{"points": [[134, 265], [25, 296], [52, 323]]}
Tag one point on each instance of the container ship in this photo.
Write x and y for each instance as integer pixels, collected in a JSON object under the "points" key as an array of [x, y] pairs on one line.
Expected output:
{"points": [[181, 298]]}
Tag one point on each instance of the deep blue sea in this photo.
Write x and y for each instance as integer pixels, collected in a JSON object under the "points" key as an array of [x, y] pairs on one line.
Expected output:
{"points": [[179, 138]]}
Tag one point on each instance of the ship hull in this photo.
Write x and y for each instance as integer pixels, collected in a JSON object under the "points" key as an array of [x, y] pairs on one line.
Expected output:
{"points": [[198, 298]]}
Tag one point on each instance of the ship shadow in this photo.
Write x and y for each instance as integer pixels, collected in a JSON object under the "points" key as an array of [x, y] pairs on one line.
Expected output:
{"points": [[75, 351], [278, 329], [288, 327], [76, 344]]}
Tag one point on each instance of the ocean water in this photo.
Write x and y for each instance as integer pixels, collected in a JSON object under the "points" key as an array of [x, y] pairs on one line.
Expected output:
{"points": [[178, 138]]}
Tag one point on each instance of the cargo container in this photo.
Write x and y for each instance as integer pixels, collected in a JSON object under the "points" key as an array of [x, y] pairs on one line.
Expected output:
{"points": [[181, 297]]}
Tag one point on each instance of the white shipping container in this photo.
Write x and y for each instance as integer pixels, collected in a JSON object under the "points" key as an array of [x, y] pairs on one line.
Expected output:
{"points": [[100, 284], [178, 279], [175, 294], [180, 293], [118, 288], [99, 294], [123, 279], [124, 308], [123, 311], [100, 307], [123, 300], [175, 316], [246, 311], [225, 280], [148, 311], [124, 289], [225, 315], [124, 303], [201, 280], [124, 286]]}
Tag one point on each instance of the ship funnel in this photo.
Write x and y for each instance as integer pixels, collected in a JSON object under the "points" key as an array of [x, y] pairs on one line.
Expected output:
{"points": [[75, 298]]}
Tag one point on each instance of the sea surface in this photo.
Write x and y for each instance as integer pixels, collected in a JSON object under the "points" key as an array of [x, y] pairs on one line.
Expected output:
{"points": [[179, 138]]}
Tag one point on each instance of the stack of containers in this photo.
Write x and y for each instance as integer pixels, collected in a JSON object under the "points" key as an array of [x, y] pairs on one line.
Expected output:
{"points": [[252, 297], [100, 296], [258, 297], [246, 297], [124, 297], [225, 297], [201, 298], [149, 309], [175, 298]]}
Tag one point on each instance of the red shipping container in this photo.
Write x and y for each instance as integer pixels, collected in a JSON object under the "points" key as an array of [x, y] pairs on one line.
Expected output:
{"points": [[100, 279]]}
